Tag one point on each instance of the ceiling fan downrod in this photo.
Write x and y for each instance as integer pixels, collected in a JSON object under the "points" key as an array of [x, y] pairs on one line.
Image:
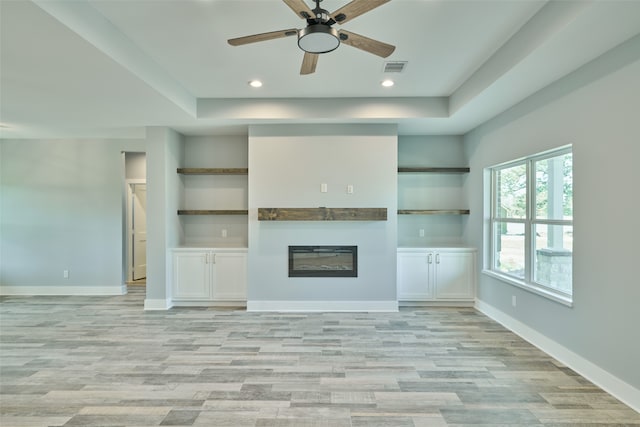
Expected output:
{"points": [[319, 37], [321, 16]]}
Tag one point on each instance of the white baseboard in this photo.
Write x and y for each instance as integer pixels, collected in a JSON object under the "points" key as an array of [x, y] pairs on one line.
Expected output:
{"points": [[297, 306], [613, 385], [63, 290], [157, 304]]}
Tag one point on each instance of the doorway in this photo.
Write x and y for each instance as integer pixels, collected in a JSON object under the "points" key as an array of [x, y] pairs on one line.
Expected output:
{"points": [[135, 233], [138, 232]]}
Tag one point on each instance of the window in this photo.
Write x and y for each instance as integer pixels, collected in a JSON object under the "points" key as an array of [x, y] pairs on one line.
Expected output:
{"points": [[532, 223]]}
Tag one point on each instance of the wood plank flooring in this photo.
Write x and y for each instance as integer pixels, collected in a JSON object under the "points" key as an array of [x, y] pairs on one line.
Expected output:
{"points": [[103, 361]]}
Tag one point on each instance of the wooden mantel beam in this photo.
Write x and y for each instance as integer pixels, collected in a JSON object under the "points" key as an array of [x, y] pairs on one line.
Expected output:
{"points": [[322, 214]]}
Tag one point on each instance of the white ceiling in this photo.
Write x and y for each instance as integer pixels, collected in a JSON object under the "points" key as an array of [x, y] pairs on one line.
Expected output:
{"points": [[109, 68]]}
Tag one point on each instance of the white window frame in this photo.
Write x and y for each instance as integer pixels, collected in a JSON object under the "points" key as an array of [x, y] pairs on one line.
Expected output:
{"points": [[529, 223]]}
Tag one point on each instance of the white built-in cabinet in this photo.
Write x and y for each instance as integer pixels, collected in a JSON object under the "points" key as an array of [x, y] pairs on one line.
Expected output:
{"points": [[436, 274], [209, 275], [433, 265], [208, 267]]}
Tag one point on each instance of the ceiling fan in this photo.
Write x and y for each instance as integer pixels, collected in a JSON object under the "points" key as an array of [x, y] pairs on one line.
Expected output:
{"points": [[319, 36]]}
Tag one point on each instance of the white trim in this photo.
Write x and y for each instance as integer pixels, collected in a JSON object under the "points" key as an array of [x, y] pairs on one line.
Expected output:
{"points": [[157, 304], [63, 290], [603, 379], [529, 222], [324, 306]]}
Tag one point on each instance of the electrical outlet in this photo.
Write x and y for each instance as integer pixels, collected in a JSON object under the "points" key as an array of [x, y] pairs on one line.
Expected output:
{"points": [[350, 189], [421, 232], [224, 232], [513, 300], [323, 188], [65, 274]]}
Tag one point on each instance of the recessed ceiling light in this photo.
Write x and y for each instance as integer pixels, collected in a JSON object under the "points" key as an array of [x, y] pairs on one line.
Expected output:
{"points": [[255, 83], [387, 83]]}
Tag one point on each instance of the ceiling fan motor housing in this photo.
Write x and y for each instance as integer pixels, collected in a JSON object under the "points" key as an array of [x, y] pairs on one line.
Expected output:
{"points": [[318, 38]]}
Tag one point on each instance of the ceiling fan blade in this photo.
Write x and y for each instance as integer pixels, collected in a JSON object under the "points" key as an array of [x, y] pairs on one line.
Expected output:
{"points": [[309, 63], [300, 8], [355, 9], [365, 43], [262, 37]]}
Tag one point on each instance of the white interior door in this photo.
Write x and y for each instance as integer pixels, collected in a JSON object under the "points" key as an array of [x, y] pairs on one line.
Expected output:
{"points": [[139, 230]]}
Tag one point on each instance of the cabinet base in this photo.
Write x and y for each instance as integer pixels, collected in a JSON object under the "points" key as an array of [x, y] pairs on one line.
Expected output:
{"points": [[323, 306], [468, 303], [239, 304]]}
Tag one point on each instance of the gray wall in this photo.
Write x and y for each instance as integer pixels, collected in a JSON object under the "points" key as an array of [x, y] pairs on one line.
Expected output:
{"points": [[61, 203], [135, 165], [219, 151], [215, 192], [164, 187], [431, 191], [597, 110], [287, 165]]}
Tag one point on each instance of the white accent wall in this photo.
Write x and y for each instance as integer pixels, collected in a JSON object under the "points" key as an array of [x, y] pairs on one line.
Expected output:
{"points": [[287, 165], [597, 109]]}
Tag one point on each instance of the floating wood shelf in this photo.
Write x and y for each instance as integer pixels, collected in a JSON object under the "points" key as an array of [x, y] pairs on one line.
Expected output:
{"points": [[434, 170], [433, 211], [322, 214], [213, 212], [213, 171]]}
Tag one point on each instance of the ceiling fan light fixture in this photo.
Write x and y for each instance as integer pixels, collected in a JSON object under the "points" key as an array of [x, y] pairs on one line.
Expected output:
{"points": [[318, 38]]}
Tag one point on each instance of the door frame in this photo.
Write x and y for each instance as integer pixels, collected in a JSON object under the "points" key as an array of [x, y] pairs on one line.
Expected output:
{"points": [[129, 224]]}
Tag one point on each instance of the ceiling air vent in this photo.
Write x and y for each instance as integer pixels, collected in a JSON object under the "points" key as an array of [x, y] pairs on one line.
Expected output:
{"points": [[394, 66]]}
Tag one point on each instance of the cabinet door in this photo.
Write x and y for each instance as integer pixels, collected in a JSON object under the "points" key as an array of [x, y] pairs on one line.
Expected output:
{"points": [[454, 275], [230, 277], [191, 276], [413, 276]]}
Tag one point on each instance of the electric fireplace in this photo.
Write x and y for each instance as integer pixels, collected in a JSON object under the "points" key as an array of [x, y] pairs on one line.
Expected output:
{"points": [[323, 261]]}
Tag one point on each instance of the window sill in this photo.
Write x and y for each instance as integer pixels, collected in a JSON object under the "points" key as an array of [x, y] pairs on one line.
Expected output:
{"points": [[553, 296]]}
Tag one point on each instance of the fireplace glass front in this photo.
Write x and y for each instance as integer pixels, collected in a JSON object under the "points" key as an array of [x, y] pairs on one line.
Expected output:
{"points": [[323, 261]]}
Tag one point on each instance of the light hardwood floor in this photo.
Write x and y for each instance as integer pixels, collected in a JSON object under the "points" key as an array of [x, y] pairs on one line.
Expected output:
{"points": [[103, 361]]}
